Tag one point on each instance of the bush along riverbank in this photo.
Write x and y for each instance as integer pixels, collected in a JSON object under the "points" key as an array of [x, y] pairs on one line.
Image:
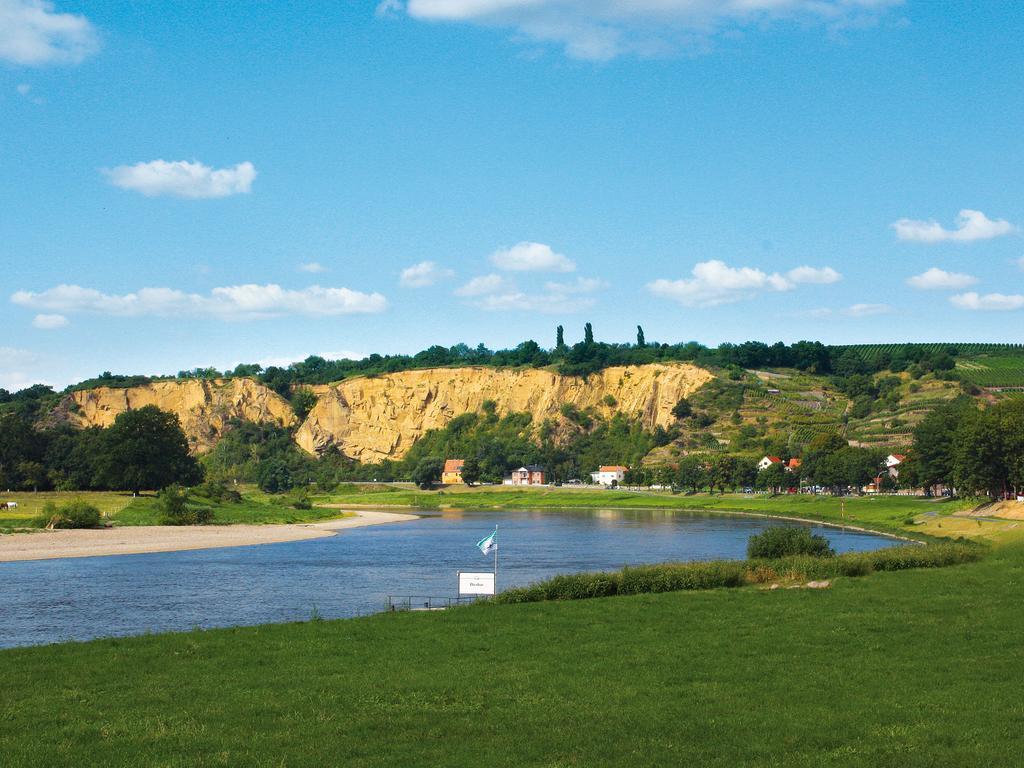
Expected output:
{"points": [[716, 574]]}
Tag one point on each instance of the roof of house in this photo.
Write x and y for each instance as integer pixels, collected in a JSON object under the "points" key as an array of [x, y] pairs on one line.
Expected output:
{"points": [[794, 462], [899, 456], [773, 459], [531, 468], [613, 468], [453, 465]]}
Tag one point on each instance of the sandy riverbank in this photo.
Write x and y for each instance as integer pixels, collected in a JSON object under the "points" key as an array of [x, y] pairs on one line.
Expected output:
{"points": [[134, 540]]}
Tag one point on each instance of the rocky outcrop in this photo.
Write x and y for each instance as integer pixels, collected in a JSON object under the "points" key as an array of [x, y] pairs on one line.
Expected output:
{"points": [[375, 418], [205, 407], [381, 417]]}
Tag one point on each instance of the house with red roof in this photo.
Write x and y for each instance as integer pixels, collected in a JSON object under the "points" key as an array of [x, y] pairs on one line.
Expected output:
{"points": [[609, 475], [452, 472]]}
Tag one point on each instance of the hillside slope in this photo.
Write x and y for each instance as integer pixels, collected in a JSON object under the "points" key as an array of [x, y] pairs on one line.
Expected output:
{"points": [[205, 407], [371, 419], [375, 418]]}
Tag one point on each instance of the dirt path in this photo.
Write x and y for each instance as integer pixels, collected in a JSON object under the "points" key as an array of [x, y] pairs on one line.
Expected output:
{"points": [[133, 540]]}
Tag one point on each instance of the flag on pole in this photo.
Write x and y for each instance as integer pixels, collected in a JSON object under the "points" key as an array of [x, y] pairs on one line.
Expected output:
{"points": [[489, 543]]}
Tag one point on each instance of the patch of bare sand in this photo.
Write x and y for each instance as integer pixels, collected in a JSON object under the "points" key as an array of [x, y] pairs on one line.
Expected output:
{"points": [[134, 540], [1003, 510]]}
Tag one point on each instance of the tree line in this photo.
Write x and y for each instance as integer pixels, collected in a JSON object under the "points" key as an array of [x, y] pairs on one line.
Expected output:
{"points": [[144, 449], [978, 451], [581, 358]]}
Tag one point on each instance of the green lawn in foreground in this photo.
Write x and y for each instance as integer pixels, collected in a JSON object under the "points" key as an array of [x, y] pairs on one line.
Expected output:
{"points": [[915, 668]]}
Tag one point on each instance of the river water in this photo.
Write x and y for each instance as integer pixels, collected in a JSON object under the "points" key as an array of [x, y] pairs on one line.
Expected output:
{"points": [[353, 572]]}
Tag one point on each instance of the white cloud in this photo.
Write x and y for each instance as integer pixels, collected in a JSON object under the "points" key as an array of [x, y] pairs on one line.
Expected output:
{"points": [[970, 225], [813, 275], [32, 33], [990, 301], [602, 29], [236, 302], [545, 303], [23, 89], [935, 279], [868, 310], [579, 285], [715, 282], [313, 267], [496, 294], [1020, 262], [423, 274], [531, 257], [183, 179], [482, 285], [49, 322]]}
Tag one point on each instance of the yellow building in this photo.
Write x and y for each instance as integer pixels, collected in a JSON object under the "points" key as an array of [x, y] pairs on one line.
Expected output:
{"points": [[452, 472]]}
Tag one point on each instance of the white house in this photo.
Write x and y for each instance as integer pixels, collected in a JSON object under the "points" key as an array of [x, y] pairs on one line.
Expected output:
{"points": [[767, 461], [611, 475], [892, 463]]}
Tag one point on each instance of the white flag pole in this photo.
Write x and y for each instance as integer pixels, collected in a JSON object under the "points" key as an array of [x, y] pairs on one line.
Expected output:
{"points": [[495, 559]]}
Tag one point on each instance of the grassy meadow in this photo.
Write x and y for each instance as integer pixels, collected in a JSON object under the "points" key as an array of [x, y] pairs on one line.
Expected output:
{"points": [[121, 508], [914, 668]]}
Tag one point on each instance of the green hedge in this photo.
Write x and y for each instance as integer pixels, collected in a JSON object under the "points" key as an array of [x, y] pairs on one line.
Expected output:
{"points": [[715, 574]]}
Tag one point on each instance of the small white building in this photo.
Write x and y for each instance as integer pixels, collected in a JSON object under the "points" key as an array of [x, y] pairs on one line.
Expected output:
{"points": [[767, 461], [611, 475], [892, 463]]}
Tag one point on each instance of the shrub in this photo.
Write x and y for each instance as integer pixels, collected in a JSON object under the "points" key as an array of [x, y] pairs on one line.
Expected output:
{"points": [[427, 472], [275, 476], [74, 514], [218, 490], [933, 556], [682, 409], [782, 541], [173, 503]]}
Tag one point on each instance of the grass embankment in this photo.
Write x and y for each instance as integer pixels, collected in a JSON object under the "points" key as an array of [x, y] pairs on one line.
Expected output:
{"points": [[903, 515], [792, 570], [917, 668], [255, 507]]}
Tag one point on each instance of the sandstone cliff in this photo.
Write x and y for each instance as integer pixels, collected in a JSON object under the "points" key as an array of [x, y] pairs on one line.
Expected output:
{"points": [[377, 418], [203, 406], [381, 417]]}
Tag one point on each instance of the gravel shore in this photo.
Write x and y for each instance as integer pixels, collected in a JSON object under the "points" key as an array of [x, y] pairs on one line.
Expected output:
{"points": [[133, 540]]}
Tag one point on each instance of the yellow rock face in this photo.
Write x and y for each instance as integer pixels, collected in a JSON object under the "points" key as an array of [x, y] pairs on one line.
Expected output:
{"points": [[377, 418], [204, 407]]}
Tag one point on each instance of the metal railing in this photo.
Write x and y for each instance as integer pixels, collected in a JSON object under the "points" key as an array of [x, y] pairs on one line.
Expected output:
{"points": [[424, 602]]}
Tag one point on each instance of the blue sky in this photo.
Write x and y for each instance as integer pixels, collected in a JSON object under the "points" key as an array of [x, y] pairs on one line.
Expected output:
{"points": [[196, 183]]}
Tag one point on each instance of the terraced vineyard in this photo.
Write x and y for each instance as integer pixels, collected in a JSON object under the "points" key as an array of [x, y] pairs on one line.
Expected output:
{"points": [[993, 370], [871, 352]]}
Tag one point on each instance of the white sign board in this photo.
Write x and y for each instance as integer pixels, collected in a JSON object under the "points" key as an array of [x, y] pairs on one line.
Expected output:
{"points": [[476, 583]]}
